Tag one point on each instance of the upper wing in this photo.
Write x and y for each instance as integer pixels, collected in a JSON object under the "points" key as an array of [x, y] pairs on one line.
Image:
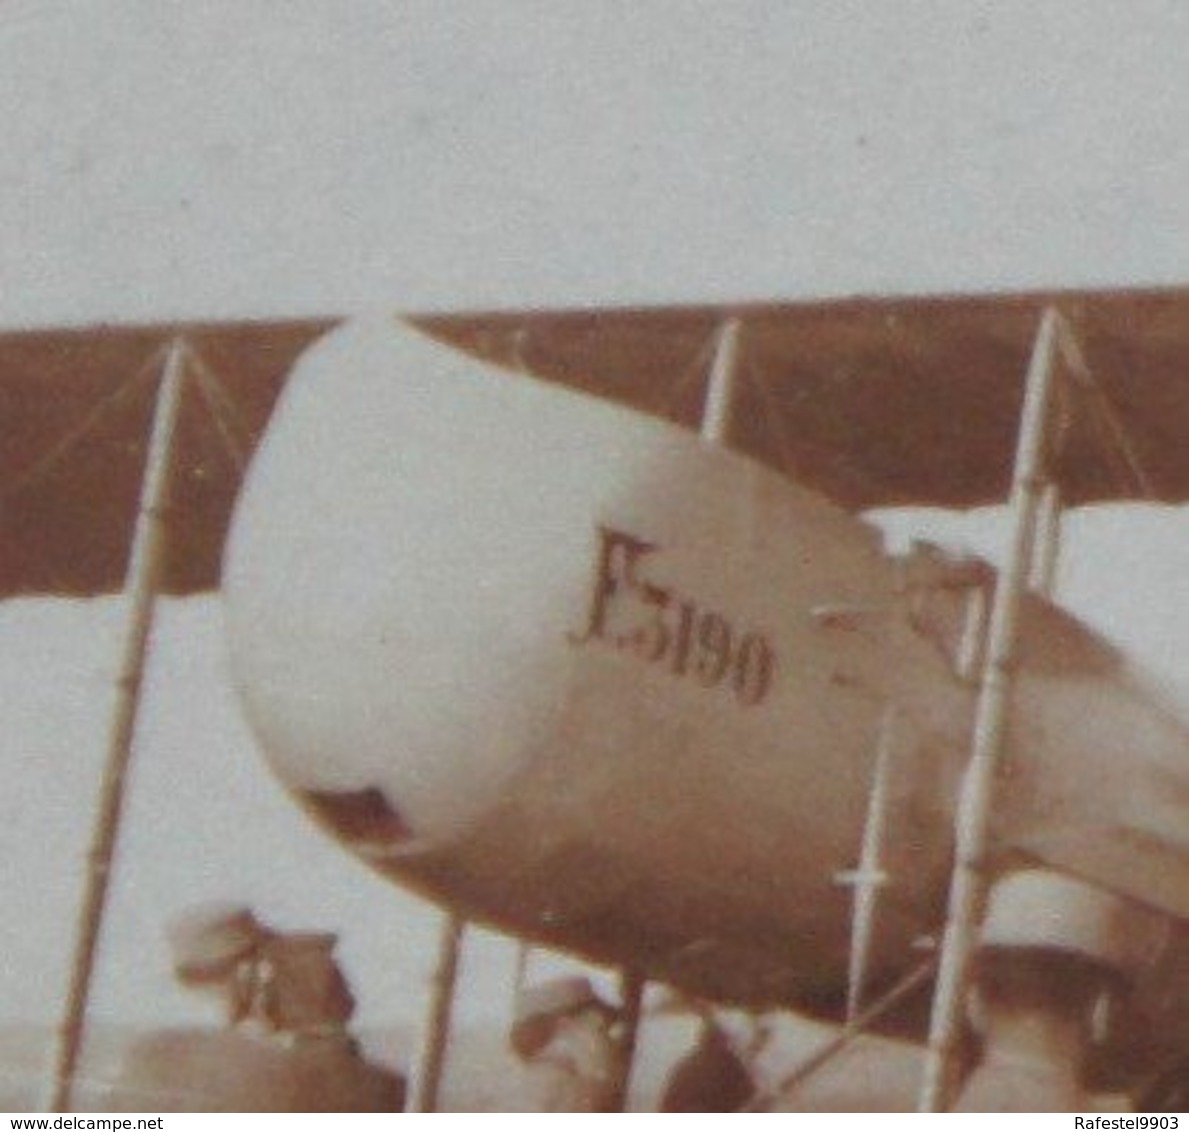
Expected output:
{"points": [[75, 414], [872, 402]]}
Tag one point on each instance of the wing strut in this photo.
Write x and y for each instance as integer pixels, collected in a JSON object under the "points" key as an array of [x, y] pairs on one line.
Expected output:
{"points": [[721, 389], [432, 1063], [1035, 506], [144, 570], [631, 1000]]}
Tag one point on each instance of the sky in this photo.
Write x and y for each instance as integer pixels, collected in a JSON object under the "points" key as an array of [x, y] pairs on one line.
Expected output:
{"points": [[263, 158], [166, 158]]}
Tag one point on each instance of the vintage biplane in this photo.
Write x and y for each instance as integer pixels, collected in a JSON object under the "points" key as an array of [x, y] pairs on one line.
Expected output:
{"points": [[570, 621]]}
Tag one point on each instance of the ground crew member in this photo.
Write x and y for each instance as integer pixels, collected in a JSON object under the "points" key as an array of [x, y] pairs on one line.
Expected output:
{"points": [[565, 1033], [287, 1005], [287, 984], [307, 996], [711, 1077], [220, 949]]}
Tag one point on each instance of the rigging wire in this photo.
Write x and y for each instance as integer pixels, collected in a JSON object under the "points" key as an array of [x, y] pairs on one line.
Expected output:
{"points": [[58, 452], [697, 369], [785, 453], [228, 420], [1117, 442], [846, 1037]]}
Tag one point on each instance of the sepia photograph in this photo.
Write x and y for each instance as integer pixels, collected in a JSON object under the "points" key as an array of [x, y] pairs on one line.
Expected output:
{"points": [[594, 557]]}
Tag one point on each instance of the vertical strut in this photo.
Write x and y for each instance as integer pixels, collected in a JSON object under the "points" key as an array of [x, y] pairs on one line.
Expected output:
{"points": [[520, 974], [141, 584], [631, 995], [975, 803], [1043, 576], [721, 390], [423, 1097]]}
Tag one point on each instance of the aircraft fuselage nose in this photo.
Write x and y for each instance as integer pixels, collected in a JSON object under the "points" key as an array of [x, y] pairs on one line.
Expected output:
{"points": [[385, 606]]}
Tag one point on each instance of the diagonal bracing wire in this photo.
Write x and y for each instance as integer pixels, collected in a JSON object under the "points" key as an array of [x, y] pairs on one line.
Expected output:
{"points": [[229, 421], [1113, 434], [772, 421], [67, 443], [855, 1028]]}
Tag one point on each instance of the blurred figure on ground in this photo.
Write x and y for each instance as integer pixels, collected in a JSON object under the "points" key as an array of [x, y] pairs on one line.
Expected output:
{"points": [[286, 1046], [566, 1034], [219, 949], [286, 984], [713, 1076], [1037, 1014]]}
